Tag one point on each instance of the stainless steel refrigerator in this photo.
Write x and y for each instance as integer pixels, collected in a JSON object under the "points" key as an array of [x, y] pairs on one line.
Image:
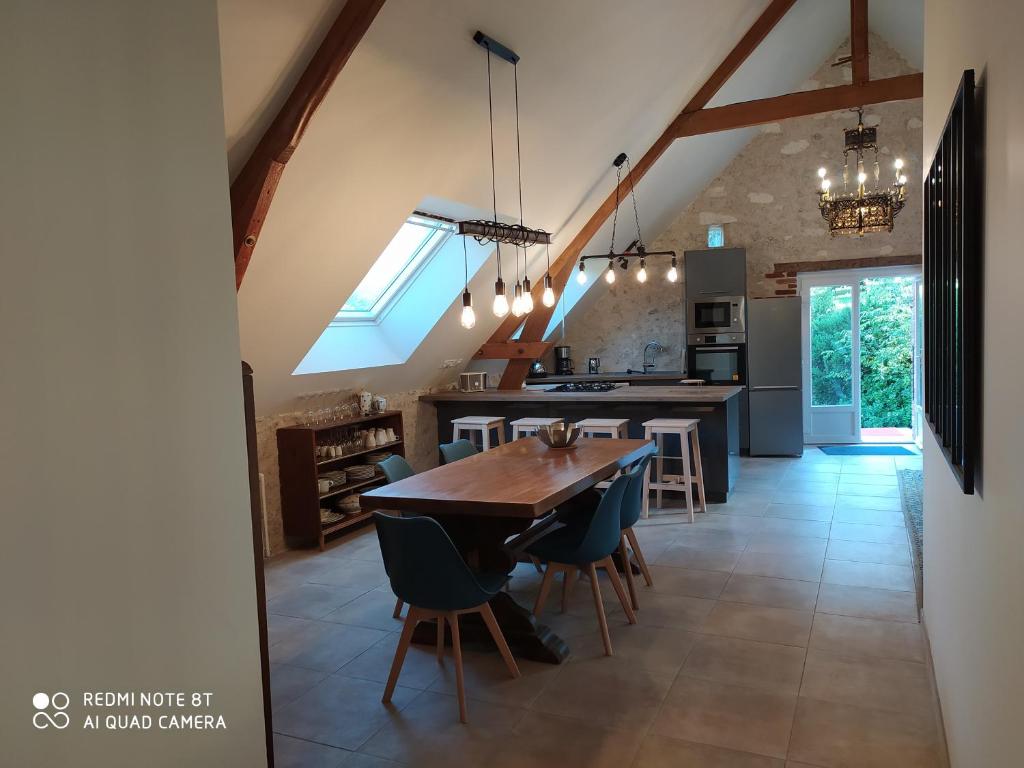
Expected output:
{"points": [[774, 377]]}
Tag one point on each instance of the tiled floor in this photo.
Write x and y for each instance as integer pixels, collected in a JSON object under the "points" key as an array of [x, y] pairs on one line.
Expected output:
{"points": [[781, 631]]}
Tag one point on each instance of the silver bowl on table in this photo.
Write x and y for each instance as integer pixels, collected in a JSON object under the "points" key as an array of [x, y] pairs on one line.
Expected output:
{"points": [[559, 436]]}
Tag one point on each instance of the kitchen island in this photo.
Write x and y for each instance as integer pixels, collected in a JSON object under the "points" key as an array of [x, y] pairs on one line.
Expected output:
{"points": [[716, 407]]}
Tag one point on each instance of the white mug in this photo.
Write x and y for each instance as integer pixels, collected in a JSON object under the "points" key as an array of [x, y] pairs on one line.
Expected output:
{"points": [[324, 486]]}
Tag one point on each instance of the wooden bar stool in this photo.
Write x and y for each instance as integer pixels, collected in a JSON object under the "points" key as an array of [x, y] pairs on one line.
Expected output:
{"points": [[531, 426], [481, 424], [614, 428], [686, 429]]}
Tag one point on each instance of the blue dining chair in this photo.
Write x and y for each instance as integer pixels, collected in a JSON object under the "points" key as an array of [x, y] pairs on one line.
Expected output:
{"points": [[428, 573], [577, 548], [396, 468], [460, 449], [632, 505]]}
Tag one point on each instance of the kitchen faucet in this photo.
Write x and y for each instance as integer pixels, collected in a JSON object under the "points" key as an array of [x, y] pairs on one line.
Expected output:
{"points": [[653, 345]]}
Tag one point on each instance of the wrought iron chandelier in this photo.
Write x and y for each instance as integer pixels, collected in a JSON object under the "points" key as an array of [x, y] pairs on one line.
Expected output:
{"points": [[862, 210], [622, 259]]}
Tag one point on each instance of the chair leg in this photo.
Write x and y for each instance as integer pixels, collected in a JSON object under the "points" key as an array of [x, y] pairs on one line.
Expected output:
{"points": [[627, 567], [545, 587], [684, 450], [660, 442], [635, 545], [403, 647], [499, 639], [613, 577], [460, 685], [440, 639], [599, 606], [398, 609], [698, 470], [567, 581]]}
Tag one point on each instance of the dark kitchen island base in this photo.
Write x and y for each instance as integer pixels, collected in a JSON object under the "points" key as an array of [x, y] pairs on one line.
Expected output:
{"points": [[716, 407]]}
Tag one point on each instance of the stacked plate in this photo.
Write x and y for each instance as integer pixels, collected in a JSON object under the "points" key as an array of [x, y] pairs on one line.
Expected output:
{"points": [[360, 472], [329, 517], [378, 457], [337, 478], [348, 505]]}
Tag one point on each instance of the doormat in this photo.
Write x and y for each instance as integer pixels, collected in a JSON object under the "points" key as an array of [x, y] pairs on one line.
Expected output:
{"points": [[866, 450], [911, 482]]}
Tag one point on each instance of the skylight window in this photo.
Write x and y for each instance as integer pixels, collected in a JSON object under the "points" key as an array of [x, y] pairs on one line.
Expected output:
{"points": [[413, 245]]}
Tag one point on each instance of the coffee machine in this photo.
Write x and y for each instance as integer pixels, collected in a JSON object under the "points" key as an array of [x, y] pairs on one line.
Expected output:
{"points": [[563, 361]]}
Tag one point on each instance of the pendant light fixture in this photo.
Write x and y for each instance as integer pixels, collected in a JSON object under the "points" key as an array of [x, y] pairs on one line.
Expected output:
{"points": [[548, 299], [468, 319], [622, 259]]}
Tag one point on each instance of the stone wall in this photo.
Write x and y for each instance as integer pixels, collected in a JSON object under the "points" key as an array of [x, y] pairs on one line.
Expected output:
{"points": [[420, 446], [766, 201]]}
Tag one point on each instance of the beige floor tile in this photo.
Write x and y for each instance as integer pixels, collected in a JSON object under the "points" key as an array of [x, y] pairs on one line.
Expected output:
{"points": [[803, 498], [540, 740], [708, 537], [727, 716], [487, 678], [867, 489], [340, 711], [876, 575], [357, 574], [287, 683], [800, 567], [880, 517], [849, 636], [682, 581], [730, 660], [312, 601], [665, 752], [813, 529], [800, 512], [880, 534], [419, 670], [296, 753], [699, 558], [842, 736], [782, 544], [757, 622], [898, 686], [375, 610], [673, 611], [283, 627], [868, 502], [765, 590], [819, 484], [869, 552], [605, 691], [713, 522], [325, 647], [867, 603], [641, 645], [869, 479]]}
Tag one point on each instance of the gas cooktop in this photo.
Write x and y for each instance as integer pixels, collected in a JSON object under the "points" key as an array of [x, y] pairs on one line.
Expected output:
{"points": [[585, 386]]}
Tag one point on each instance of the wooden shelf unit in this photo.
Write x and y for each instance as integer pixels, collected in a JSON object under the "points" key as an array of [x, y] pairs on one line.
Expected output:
{"points": [[300, 468]]}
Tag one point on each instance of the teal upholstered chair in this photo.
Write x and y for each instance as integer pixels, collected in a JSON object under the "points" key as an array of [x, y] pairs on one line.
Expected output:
{"points": [[587, 547], [396, 468], [428, 573], [632, 505], [460, 449]]}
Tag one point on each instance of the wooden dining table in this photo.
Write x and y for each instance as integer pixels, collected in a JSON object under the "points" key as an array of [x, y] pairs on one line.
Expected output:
{"points": [[487, 503]]}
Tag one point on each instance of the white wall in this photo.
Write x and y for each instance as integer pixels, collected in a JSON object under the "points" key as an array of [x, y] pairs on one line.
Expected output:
{"points": [[974, 567], [125, 543]]}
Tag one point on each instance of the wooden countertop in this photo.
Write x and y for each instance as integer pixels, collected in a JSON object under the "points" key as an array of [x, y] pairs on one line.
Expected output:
{"points": [[672, 394], [673, 377]]}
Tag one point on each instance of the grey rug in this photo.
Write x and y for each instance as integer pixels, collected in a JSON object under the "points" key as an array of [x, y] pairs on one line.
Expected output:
{"points": [[912, 495]]}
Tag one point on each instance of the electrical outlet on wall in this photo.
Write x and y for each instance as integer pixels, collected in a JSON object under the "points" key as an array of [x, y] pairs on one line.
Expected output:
{"points": [[451, 363]]}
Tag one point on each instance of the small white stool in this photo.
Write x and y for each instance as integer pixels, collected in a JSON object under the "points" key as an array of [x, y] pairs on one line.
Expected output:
{"points": [[481, 424], [656, 429], [530, 426], [614, 428]]}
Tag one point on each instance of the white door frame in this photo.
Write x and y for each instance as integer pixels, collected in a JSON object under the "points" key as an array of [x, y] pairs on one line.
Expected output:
{"points": [[851, 277]]}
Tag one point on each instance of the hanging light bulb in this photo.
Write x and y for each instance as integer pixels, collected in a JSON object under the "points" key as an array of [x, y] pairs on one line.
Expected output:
{"points": [[517, 301], [673, 273], [581, 276], [825, 184], [822, 173], [527, 296], [500, 299], [902, 180], [898, 163], [862, 177], [641, 276], [609, 275], [548, 299], [468, 318]]}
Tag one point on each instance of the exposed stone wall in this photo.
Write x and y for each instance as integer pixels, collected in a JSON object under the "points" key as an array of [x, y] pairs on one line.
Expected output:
{"points": [[418, 418], [766, 201]]}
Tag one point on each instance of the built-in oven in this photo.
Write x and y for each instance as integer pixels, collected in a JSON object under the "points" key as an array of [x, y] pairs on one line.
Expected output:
{"points": [[717, 358], [709, 314]]}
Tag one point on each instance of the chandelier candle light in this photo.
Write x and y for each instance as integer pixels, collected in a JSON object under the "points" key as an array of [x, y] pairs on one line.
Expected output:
{"points": [[863, 210], [641, 250]]}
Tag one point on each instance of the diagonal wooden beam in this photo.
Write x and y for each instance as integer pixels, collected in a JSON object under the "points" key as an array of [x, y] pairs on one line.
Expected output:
{"points": [[859, 41], [253, 190], [562, 267], [801, 104]]}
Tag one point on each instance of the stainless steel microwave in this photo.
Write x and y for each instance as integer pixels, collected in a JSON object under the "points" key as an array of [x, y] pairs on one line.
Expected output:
{"points": [[716, 314]]}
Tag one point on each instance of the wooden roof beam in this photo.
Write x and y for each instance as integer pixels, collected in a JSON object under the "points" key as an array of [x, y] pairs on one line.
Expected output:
{"points": [[859, 41], [253, 191]]}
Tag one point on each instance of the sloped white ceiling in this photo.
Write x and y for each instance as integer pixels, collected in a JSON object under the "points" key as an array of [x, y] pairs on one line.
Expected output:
{"points": [[405, 126]]}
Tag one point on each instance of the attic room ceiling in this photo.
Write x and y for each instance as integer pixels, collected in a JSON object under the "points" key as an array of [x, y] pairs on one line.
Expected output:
{"points": [[405, 127]]}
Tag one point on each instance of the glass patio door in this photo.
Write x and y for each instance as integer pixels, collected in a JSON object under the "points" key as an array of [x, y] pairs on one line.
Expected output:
{"points": [[831, 361]]}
